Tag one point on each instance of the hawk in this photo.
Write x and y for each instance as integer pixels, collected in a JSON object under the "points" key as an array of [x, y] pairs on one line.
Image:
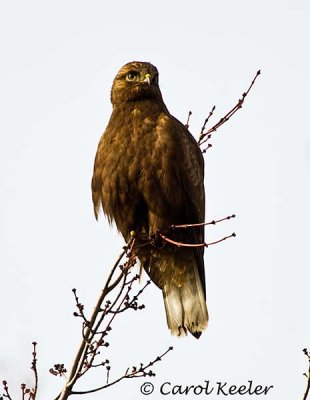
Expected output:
{"points": [[148, 175]]}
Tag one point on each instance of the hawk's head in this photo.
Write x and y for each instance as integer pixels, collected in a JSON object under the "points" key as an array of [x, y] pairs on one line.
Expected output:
{"points": [[135, 81]]}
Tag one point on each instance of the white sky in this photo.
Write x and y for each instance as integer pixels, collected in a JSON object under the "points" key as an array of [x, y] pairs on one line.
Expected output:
{"points": [[58, 60]]}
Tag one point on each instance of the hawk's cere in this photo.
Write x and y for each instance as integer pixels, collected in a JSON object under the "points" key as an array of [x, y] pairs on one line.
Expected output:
{"points": [[148, 175]]}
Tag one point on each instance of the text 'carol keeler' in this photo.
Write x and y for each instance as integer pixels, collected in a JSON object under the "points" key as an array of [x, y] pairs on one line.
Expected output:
{"points": [[208, 388]]}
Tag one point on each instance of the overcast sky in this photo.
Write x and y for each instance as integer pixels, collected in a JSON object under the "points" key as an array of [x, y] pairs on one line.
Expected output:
{"points": [[58, 60]]}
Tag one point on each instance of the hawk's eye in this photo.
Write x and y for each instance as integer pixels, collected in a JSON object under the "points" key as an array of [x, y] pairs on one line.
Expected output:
{"points": [[132, 76]]}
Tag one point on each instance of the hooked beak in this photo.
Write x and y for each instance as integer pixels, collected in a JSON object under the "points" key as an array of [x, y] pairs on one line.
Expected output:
{"points": [[147, 79]]}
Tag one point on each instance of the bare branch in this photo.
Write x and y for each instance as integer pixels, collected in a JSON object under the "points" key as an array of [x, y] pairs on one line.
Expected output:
{"points": [[205, 136], [81, 355], [136, 373]]}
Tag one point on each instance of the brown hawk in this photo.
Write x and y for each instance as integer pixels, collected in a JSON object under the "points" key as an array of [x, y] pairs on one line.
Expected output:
{"points": [[148, 175]]}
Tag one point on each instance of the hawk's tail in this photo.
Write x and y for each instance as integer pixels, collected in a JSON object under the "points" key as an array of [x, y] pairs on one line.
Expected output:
{"points": [[186, 308]]}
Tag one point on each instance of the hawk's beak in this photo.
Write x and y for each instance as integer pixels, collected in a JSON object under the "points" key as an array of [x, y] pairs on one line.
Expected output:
{"points": [[147, 79]]}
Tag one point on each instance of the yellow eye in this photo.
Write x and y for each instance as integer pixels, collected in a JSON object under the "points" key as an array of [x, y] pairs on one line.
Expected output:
{"points": [[132, 76]]}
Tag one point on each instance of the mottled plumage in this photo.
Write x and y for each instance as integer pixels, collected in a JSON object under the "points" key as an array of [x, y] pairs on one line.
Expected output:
{"points": [[148, 175]]}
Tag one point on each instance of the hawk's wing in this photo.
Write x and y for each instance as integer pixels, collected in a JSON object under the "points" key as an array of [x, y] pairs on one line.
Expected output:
{"points": [[192, 181]]}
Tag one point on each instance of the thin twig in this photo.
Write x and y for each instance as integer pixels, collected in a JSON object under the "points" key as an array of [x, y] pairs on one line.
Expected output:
{"points": [[23, 388], [35, 371], [207, 148], [181, 244], [80, 307], [206, 121], [213, 222], [307, 354], [221, 240], [188, 118]]}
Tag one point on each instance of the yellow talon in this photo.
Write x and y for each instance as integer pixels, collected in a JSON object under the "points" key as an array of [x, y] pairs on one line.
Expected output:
{"points": [[132, 233]]}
